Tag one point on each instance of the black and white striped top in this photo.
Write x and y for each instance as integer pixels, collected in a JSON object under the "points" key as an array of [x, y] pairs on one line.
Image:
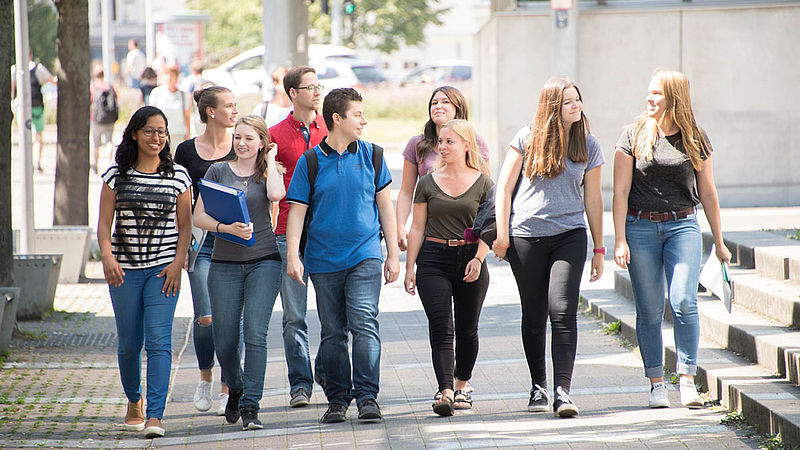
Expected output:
{"points": [[145, 234]]}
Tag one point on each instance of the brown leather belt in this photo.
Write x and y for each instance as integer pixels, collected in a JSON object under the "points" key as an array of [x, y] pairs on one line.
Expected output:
{"points": [[664, 216], [448, 242]]}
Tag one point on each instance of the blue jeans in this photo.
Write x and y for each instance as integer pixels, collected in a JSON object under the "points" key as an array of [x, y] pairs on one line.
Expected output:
{"points": [[671, 249], [144, 315], [243, 292], [294, 300], [203, 335], [348, 301]]}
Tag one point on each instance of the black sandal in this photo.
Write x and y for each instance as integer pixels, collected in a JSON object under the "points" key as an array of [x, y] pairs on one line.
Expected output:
{"points": [[444, 407], [461, 396]]}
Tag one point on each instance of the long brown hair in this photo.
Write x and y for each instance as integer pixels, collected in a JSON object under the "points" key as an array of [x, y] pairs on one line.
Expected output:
{"points": [[465, 131], [546, 151], [258, 124], [430, 137], [675, 86]]}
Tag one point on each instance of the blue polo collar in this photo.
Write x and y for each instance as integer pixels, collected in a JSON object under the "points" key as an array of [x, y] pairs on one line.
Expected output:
{"points": [[327, 149]]}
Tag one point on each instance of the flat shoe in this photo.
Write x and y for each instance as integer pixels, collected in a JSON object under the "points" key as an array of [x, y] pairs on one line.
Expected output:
{"points": [[444, 407], [153, 432], [461, 396]]}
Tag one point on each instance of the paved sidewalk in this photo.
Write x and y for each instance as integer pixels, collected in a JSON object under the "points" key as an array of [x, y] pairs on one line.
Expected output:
{"points": [[64, 390]]}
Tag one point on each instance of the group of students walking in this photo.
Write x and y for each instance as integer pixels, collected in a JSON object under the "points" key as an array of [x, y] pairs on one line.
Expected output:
{"points": [[334, 210]]}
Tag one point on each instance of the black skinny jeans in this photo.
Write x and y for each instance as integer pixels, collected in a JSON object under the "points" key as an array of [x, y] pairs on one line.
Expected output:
{"points": [[548, 273], [443, 291]]}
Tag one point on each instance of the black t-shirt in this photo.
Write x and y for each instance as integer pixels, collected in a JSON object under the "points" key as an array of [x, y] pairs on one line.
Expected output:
{"points": [[666, 182], [186, 155]]}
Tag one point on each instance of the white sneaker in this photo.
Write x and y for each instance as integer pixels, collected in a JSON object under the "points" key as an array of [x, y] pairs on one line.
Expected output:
{"points": [[658, 395], [202, 395], [223, 403], [689, 396]]}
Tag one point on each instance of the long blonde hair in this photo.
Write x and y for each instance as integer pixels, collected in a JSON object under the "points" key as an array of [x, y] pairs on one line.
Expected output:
{"points": [[546, 150], [465, 131], [675, 86]]}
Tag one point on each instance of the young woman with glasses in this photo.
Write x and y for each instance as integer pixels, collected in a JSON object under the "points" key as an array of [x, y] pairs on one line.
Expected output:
{"points": [[149, 197], [558, 164], [662, 170]]}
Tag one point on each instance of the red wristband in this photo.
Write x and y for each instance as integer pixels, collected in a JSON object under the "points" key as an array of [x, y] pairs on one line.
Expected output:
{"points": [[601, 250]]}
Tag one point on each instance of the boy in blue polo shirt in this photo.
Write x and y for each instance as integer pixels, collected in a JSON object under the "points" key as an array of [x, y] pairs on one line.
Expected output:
{"points": [[349, 207]]}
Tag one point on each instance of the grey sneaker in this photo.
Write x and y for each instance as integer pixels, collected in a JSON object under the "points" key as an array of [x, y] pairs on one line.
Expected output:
{"points": [[369, 410], [336, 413], [300, 398], [540, 399]]}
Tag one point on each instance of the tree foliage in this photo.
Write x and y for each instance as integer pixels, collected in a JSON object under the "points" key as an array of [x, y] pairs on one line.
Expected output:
{"points": [[234, 27], [42, 24], [384, 25]]}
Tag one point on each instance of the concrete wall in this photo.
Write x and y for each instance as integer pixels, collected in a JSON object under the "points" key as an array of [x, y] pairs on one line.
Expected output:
{"points": [[741, 61]]}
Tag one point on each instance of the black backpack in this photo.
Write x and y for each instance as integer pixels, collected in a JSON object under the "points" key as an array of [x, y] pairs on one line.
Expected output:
{"points": [[313, 167], [105, 107]]}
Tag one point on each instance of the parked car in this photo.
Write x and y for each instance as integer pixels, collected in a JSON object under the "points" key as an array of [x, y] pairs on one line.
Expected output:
{"points": [[244, 74], [441, 72]]}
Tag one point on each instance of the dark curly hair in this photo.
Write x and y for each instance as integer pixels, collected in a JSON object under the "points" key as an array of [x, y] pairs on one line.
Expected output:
{"points": [[128, 149]]}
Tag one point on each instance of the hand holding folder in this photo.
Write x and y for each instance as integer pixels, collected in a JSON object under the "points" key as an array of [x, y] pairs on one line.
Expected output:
{"points": [[714, 277], [227, 205]]}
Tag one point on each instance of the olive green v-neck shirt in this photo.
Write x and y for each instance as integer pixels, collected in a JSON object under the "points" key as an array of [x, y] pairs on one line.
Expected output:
{"points": [[449, 216]]}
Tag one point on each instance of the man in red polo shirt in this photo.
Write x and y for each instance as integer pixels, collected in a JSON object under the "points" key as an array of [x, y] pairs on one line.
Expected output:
{"points": [[304, 128]]}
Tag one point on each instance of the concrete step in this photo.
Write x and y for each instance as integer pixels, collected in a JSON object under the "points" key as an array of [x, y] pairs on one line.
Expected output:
{"points": [[778, 300], [760, 340], [771, 254], [771, 403]]}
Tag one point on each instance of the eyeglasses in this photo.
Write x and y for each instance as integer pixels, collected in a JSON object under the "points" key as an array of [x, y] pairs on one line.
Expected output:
{"points": [[312, 88], [148, 131]]}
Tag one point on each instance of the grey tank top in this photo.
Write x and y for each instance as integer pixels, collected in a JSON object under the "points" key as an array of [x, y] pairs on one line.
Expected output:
{"points": [[258, 205]]}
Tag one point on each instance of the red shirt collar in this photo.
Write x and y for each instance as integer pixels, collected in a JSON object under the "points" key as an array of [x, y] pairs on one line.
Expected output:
{"points": [[297, 124]]}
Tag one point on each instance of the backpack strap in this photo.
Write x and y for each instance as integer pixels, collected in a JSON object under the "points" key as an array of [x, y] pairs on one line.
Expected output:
{"points": [[313, 166], [377, 157], [264, 108]]}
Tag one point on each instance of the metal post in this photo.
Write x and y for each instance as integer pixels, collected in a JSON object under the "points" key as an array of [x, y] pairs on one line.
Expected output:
{"points": [[336, 22], [24, 138], [564, 56], [106, 11], [149, 33]]}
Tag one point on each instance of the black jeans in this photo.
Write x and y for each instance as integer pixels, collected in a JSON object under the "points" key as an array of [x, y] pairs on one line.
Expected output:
{"points": [[548, 273], [443, 291]]}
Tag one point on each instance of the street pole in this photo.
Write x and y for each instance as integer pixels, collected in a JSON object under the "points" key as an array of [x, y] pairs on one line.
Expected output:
{"points": [[24, 138], [564, 56], [149, 33], [336, 21], [106, 9], [298, 33]]}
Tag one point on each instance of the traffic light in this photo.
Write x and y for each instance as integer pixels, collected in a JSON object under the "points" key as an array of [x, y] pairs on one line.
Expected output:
{"points": [[349, 7]]}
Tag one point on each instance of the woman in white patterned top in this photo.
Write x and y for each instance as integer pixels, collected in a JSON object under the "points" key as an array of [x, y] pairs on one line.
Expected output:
{"points": [[149, 196]]}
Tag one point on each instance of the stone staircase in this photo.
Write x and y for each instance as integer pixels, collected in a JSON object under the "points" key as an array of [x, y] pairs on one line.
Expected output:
{"points": [[749, 359]]}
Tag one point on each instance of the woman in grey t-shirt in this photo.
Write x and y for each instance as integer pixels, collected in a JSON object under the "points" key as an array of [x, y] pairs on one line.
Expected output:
{"points": [[243, 282], [558, 165]]}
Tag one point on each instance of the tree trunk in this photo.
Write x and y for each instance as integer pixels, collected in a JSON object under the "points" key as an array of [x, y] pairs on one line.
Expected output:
{"points": [[71, 200], [6, 58]]}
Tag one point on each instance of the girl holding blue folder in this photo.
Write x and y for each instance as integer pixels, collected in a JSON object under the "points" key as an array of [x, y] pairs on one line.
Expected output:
{"points": [[243, 282]]}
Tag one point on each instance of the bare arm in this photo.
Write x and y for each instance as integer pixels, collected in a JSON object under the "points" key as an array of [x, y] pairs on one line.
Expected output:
{"points": [[389, 226], [593, 204], [415, 237], [275, 188], [509, 173], [404, 199], [623, 176], [707, 191], [112, 271], [294, 228]]}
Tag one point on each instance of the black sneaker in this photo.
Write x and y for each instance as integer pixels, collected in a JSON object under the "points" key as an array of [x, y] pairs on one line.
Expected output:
{"points": [[336, 413], [540, 399], [369, 410], [232, 413], [563, 406], [250, 419]]}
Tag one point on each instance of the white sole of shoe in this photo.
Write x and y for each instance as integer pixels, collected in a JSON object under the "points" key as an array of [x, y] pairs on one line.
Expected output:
{"points": [[566, 411], [656, 405], [133, 427], [539, 408], [252, 426], [153, 432]]}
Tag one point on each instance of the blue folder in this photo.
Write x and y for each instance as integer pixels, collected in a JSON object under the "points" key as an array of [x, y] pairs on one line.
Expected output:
{"points": [[227, 205]]}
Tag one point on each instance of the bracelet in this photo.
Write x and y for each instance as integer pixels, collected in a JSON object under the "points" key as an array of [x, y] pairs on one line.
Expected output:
{"points": [[478, 259], [218, 224], [599, 251], [494, 244]]}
